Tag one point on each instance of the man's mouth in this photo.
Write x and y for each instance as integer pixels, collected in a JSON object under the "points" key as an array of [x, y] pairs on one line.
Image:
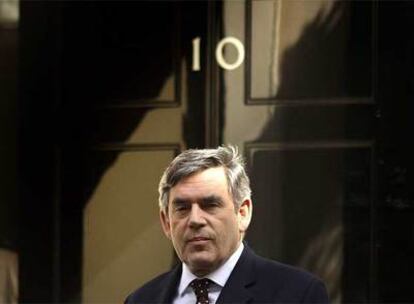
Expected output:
{"points": [[198, 239]]}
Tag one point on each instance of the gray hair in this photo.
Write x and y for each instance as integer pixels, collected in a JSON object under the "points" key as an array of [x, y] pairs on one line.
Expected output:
{"points": [[196, 160]]}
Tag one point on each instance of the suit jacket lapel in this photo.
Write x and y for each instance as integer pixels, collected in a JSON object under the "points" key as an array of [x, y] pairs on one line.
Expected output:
{"points": [[242, 277], [166, 295]]}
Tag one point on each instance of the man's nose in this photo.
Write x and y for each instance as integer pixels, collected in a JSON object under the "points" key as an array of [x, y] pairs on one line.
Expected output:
{"points": [[196, 217]]}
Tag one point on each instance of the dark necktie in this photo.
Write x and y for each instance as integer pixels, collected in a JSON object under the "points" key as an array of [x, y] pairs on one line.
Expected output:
{"points": [[200, 287]]}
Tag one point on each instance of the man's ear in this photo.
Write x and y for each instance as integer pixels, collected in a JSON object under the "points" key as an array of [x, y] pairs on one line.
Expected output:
{"points": [[165, 222], [245, 214]]}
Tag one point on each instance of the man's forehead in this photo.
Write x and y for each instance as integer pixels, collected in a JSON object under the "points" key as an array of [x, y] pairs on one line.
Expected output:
{"points": [[204, 175], [209, 181]]}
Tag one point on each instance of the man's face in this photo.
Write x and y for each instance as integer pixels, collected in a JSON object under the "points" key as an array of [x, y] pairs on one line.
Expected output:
{"points": [[202, 222]]}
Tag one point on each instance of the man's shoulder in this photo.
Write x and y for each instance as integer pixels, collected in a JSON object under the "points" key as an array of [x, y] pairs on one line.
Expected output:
{"points": [[268, 267], [152, 291], [285, 282]]}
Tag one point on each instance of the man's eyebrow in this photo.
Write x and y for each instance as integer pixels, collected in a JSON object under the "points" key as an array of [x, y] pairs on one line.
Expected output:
{"points": [[204, 200], [211, 199], [178, 201]]}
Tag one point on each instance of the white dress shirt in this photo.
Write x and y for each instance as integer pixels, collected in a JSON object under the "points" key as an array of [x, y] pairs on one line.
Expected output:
{"points": [[185, 294]]}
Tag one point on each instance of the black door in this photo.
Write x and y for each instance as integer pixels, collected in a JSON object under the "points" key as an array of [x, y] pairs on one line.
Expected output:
{"points": [[110, 92]]}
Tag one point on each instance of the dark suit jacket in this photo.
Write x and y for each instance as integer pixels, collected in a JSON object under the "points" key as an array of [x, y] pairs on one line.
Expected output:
{"points": [[253, 280]]}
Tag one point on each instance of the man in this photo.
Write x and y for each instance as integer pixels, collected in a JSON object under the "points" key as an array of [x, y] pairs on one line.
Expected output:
{"points": [[205, 210]]}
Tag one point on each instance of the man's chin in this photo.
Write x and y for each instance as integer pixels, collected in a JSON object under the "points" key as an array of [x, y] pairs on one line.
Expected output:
{"points": [[201, 264]]}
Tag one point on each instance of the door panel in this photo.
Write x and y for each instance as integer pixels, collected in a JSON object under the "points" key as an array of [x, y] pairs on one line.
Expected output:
{"points": [[140, 107], [308, 50], [312, 208]]}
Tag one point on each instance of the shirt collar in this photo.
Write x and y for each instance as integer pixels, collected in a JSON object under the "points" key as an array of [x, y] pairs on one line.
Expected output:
{"points": [[218, 276]]}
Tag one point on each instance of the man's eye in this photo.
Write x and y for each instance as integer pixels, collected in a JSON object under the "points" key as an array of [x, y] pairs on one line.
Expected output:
{"points": [[180, 208], [211, 204]]}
